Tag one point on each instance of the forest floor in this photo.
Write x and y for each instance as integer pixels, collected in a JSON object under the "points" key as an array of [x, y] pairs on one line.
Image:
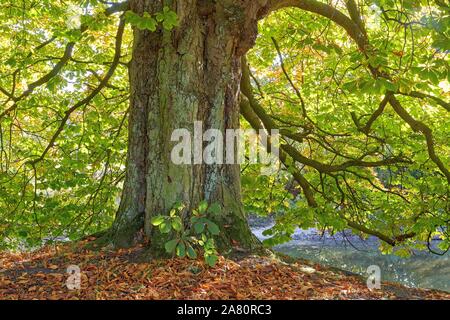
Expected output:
{"points": [[107, 274]]}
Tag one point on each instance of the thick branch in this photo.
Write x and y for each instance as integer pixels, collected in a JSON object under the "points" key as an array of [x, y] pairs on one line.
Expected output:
{"points": [[293, 152], [366, 129], [362, 41], [419, 126], [329, 12], [258, 119], [420, 95], [31, 87], [389, 240], [251, 117], [355, 14]]}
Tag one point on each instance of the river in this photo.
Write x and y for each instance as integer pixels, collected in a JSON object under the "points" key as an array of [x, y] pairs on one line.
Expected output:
{"points": [[348, 252]]}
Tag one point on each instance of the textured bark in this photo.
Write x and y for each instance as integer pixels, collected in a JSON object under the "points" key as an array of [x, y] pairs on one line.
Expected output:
{"points": [[189, 74]]}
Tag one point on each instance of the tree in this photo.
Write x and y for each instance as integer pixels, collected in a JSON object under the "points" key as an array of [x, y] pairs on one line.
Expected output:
{"points": [[188, 63], [178, 77]]}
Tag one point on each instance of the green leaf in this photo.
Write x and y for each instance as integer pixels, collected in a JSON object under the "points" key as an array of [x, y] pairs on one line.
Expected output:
{"points": [[156, 221], [350, 86], [131, 17], [168, 18], [142, 23], [405, 85], [191, 252], [181, 250], [321, 47], [388, 85], [402, 252], [165, 227], [177, 224], [211, 260], [215, 208], [148, 23], [170, 245], [267, 232], [213, 228], [442, 44], [371, 86], [178, 206], [203, 206], [444, 245], [160, 17], [199, 227], [23, 233]]}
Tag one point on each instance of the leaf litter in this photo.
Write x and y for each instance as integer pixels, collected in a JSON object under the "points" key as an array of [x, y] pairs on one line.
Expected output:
{"points": [[116, 274]]}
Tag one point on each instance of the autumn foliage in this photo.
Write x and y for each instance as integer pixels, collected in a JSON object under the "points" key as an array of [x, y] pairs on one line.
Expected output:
{"points": [[108, 274]]}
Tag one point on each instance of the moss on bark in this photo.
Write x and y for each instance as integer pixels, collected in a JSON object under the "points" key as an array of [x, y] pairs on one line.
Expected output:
{"points": [[178, 77]]}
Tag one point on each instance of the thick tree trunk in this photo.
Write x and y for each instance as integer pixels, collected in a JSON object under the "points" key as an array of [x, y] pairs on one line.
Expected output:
{"points": [[189, 74]]}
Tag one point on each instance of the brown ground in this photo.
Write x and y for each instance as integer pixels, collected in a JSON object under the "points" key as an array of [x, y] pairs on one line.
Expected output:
{"points": [[110, 275]]}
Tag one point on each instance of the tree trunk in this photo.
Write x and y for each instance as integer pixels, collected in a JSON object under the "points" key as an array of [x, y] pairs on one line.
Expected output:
{"points": [[177, 77]]}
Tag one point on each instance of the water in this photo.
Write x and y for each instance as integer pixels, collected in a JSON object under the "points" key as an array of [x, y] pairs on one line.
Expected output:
{"points": [[347, 252]]}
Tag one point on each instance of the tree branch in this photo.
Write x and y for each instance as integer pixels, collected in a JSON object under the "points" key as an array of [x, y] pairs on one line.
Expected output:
{"points": [[327, 11], [96, 91], [355, 14], [366, 129], [258, 119], [419, 126], [420, 95], [68, 51]]}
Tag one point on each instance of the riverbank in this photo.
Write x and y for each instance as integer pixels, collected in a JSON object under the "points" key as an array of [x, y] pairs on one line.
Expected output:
{"points": [[343, 250], [107, 274]]}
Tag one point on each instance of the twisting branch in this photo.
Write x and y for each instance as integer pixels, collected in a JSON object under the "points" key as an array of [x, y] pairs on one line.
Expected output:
{"points": [[327, 11], [68, 51], [31, 87], [268, 122], [40, 46], [355, 14], [389, 240], [361, 39], [258, 119], [262, 121], [92, 95], [286, 74], [251, 117], [298, 92], [419, 126], [366, 128], [420, 95]]}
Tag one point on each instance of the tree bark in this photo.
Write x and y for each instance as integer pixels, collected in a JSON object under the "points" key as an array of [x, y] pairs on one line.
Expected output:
{"points": [[177, 77]]}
